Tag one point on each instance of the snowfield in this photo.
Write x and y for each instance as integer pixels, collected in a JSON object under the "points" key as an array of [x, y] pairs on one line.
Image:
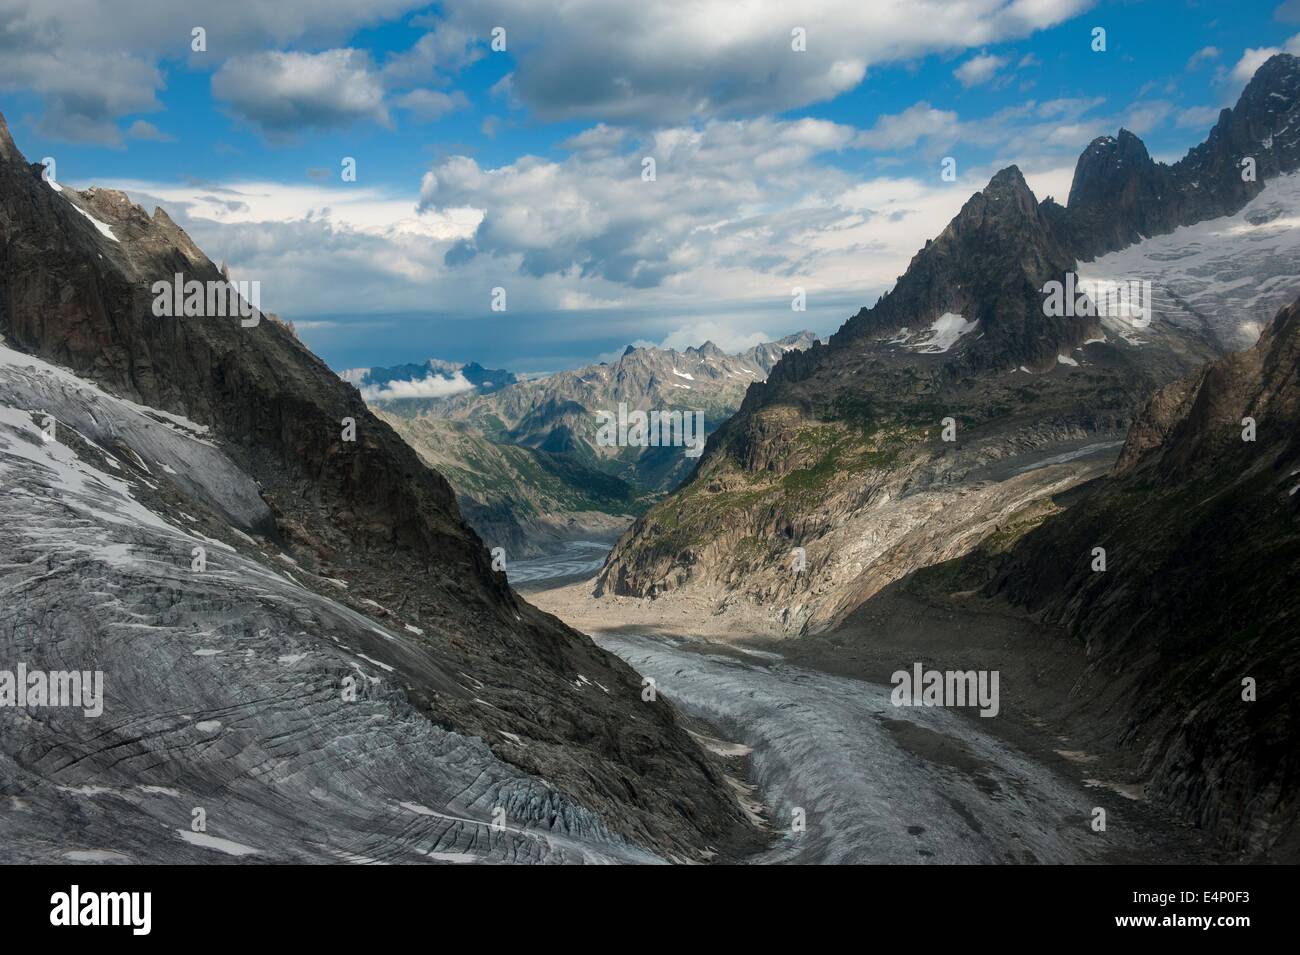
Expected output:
{"points": [[1228, 275], [224, 690]]}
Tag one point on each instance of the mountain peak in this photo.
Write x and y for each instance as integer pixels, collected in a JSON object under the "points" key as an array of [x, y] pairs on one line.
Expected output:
{"points": [[8, 150], [1279, 69], [1009, 178]]}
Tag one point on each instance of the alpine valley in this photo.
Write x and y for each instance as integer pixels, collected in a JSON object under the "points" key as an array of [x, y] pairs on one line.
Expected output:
{"points": [[372, 614], [940, 479]]}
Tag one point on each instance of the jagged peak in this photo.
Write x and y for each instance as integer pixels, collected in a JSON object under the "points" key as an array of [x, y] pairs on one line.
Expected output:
{"points": [[1009, 178], [1125, 143], [1279, 66], [1007, 189], [8, 149]]}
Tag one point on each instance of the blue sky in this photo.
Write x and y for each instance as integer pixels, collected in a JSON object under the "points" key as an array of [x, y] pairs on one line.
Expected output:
{"points": [[521, 169]]}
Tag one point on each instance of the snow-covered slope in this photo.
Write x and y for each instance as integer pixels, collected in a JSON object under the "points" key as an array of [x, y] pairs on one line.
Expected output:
{"points": [[1228, 276], [225, 690]]}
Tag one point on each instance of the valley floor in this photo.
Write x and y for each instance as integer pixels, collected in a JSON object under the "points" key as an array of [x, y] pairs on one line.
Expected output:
{"points": [[810, 725]]}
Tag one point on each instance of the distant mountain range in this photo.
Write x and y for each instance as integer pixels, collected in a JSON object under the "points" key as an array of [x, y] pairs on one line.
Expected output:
{"points": [[524, 456], [413, 387]]}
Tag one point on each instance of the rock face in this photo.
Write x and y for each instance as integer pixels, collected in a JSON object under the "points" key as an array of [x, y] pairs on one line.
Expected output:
{"points": [[286, 492], [1201, 531], [960, 397], [987, 266], [1121, 195]]}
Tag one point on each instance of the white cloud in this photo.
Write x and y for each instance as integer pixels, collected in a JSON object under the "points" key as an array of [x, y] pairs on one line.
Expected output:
{"points": [[282, 93], [143, 130], [353, 207], [431, 386], [1254, 58], [1146, 116], [431, 104], [674, 60], [1204, 55], [979, 69], [917, 122], [82, 103], [1197, 117], [60, 51], [723, 335], [718, 190]]}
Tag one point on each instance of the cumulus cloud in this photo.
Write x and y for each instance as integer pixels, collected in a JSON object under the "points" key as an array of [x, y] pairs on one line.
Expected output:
{"points": [[1256, 57], [431, 386], [675, 60], [143, 130], [38, 41], [431, 104], [82, 104], [594, 214], [979, 69], [1204, 55], [917, 122], [283, 93]]}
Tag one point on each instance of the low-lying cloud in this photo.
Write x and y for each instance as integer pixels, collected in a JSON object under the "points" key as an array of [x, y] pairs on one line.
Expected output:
{"points": [[431, 386]]}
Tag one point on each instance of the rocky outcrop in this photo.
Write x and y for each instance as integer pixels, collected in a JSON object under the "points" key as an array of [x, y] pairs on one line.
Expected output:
{"points": [[76, 271], [987, 266]]}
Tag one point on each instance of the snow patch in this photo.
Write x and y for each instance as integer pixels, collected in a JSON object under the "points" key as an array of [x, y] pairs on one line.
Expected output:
{"points": [[944, 333], [104, 230]]}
